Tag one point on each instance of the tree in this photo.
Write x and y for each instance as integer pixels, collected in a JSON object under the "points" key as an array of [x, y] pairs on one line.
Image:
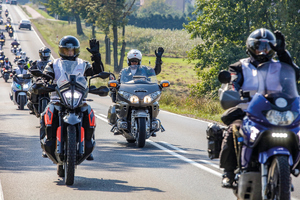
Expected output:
{"points": [[113, 14], [224, 26]]}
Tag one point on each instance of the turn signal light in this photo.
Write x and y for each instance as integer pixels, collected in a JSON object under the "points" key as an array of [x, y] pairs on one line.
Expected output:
{"points": [[165, 85], [112, 84]]}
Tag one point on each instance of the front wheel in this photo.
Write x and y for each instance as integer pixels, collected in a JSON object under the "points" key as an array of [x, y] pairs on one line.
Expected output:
{"points": [[279, 181], [141, 139], [22, 102], [69, 164]]}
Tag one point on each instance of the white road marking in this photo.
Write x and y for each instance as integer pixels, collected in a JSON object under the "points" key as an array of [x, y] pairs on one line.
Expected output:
{"points": [[173, 147], [1, 192]]}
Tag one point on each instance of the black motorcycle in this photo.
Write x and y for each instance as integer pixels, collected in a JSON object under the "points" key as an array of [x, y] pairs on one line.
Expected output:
{"points": [[6, 71], [70, 148], [135, 113], [10, 33]]}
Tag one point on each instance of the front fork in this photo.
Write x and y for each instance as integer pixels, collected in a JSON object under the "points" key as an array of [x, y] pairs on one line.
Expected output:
{"points": [[135, 114]]}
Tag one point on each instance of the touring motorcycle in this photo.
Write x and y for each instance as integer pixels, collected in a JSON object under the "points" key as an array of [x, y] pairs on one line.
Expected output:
{"points": [[135, 113], [70, 148], [19, 87], [6, 73], [267, 144]]}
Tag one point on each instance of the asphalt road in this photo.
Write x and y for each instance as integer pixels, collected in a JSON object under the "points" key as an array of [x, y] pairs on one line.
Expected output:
{"points": [[174, 165]]}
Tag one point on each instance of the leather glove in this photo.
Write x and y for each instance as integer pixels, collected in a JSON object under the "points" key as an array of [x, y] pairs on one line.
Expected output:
{"points": [[94, 46], [160, 52], [279, 47]]}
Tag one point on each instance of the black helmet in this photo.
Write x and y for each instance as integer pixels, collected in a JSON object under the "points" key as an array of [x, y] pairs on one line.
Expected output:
{"points": [[6, 58], [21, 62], [69, 47], [44, 53], [258, 45], [1, 53]]}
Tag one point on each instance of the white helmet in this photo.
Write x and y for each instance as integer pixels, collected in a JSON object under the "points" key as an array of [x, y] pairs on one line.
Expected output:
{"points": [[134, 54], [23, 54]]}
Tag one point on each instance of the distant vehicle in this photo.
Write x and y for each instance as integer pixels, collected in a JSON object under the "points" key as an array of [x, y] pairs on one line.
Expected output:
{"points": [[25, 23], [7, 2], [13, 2]]}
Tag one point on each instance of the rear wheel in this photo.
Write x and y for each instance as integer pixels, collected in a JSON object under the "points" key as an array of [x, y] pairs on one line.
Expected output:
{"points": [[141, 139], [69, 164], [22, 102], [279, 181]]}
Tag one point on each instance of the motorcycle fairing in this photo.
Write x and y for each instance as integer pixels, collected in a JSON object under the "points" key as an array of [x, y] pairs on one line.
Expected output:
{"points": [[92, 120], [264, 156], [48, 117], [58, 134]]}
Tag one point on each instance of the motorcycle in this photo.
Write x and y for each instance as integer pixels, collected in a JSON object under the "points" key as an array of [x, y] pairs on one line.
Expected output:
{"points": [[267, 144], [2, 42], [38, 98], [10, 33], [6, 13], [6, 73], [14, 49], [70, 148], [19, 87], [135, 113]]}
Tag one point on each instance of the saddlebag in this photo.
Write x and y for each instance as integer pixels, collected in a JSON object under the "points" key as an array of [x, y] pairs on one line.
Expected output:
{"points": [[214, 135]]}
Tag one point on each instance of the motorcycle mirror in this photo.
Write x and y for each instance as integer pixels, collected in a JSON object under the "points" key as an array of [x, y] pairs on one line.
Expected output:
{"points": [[103, 75], [224, 77]]}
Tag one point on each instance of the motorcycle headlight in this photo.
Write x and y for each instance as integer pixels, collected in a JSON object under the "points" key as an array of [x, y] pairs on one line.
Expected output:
{"points": [[76, 97], [130, 97], [281, 118], [134, 99], [26, 86], [147, 99]]}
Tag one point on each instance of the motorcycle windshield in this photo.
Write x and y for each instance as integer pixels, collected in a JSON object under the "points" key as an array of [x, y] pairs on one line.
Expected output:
{"points": [[277, 79], [138, 74], [277, 90], [71, 68]]}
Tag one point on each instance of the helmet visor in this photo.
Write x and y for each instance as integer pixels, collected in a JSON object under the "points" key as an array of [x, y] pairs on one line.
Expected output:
{"points": [[46, 54], [260, 46]]}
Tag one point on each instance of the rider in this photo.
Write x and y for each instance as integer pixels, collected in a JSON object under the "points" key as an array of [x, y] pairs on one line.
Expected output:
{"points": [[134, 58], [45, 54], [69, 49], [22, 67], [2, 36], [7, 63], [40, 64], [24, 57], [15, 43], [261, 48]]}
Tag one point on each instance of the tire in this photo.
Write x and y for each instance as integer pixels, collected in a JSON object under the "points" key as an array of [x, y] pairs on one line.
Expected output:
{"points": [[279, 181], [60, 171], [69, 164], [44, 105], [141, 139], [22, 102]]}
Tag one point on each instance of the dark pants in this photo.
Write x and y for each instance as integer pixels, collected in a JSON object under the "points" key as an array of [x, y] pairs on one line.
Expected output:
{"points": [[228, 159]]}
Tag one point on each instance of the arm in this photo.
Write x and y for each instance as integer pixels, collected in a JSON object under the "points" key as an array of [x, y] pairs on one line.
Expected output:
{"points": [[97, 65], [237, 77], [158, 61]]}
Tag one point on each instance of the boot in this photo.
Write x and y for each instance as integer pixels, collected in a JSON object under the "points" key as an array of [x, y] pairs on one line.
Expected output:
{"points": [[227, 179], [91, 157]]}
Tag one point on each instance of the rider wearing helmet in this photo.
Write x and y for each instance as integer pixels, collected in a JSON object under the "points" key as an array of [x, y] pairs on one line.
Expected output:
{"points": [[15, 43], [22, 67], [45, 54], [262, 45], [69, 49], [7, 62]]}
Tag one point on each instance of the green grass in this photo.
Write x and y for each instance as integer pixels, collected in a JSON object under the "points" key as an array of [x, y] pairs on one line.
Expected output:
{"points": [[43, 13], [178, 71]]}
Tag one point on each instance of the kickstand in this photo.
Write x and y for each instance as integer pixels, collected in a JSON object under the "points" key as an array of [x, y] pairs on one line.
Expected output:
{"points": [[162, 128], [113, 128]]}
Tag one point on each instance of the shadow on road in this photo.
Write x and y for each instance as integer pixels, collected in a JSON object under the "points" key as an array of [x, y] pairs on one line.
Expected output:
{"points": [[83, 183]]}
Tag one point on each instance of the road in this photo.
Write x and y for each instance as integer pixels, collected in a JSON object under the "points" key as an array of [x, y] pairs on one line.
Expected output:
{"points": [[174, 165]]}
